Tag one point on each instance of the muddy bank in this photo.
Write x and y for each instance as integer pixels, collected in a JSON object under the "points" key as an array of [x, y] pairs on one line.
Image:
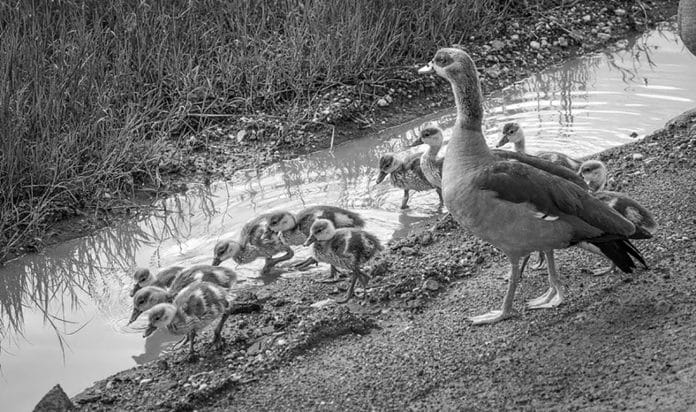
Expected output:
{"points": [[619, 341], [528, 42]]}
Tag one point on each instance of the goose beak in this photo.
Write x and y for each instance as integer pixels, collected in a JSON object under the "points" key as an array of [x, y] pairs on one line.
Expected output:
{"points": [[428, 68], [149, 330], [310, 239], [381, 177], [503, 141], [418, 142], [216, 261], [135, 315]]}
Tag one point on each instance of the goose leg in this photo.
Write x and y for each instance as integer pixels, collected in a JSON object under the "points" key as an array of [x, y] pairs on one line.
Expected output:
{"points": [[594, 249], [506, 310], [439, 194], [351, 289], [270, 262], [404, 201], [217, 336], [540, 262], [554, 295], [334, 276], [523, 266], [305, 264]]}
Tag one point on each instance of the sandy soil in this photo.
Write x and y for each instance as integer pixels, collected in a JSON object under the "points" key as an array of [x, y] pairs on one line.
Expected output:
{"points": [[618, 341]]}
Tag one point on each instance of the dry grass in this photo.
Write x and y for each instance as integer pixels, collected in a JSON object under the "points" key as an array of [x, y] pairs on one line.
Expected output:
{"points": [[89, 89]]}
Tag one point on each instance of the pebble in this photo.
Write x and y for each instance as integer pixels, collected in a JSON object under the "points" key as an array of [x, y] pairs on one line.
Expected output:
{"points": [[431, 284], [241, 135], [587, 18], [535, 44], [515, 37], [382, 102], [637, 156], [323, 303], [620, 12], [604, 36], [146, 381], [497, 44], [562, 41]]}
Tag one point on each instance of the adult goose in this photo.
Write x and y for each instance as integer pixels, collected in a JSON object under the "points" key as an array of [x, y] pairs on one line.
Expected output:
{"points": [[512, 205], [294, 229], [512, 132]]}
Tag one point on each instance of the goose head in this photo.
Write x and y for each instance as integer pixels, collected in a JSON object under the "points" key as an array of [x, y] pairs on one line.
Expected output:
{"points": [[142, 277], [594, 172], [281, 222], [387, 164], [321, 230], [452, 64], [224, 250], [512, 133], [160, 315], [432, 136], [146, 298]]}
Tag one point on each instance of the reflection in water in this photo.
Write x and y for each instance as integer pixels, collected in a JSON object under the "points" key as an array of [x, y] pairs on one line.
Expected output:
{"points": [[76, 294]]}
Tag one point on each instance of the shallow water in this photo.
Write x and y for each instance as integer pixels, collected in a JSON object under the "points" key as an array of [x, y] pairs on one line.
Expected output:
{"points": [[63, 311]]}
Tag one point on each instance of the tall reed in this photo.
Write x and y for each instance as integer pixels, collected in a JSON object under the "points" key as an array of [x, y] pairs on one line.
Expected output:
{"points": [[89, 89]]}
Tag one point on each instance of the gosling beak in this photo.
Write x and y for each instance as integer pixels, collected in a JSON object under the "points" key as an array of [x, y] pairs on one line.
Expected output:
{"points": [[216, 261], [134, 316], [136, 287], [428, 68], [503, 141], [418, 142], [282, 238], [381, 176], [310, 239], [149, 330]]}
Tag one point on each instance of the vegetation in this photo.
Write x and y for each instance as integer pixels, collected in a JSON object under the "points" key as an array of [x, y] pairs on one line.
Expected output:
{"points": [[90, 90]]}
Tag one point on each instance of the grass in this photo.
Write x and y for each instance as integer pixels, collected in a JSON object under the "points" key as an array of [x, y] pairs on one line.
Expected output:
{"points": [[91, 90]]}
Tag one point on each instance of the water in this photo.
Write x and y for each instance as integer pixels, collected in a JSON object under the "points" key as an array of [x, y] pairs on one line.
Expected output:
{"points": [[63, 311]]}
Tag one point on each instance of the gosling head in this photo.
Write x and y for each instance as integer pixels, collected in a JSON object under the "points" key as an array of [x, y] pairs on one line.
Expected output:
{"points": [[142, 277], [432, 136], [224, 250], [452, 64], [160, 315], [387, 164], [146, 298], [321, 230], [512, 132], [281, 222], [594, 172]]}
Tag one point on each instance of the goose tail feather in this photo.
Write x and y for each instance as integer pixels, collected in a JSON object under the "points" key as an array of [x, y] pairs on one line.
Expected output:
{"points": [[621, 252]]}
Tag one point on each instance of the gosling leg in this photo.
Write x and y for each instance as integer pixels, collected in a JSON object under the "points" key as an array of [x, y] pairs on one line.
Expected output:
{"points": [[404, 201]]}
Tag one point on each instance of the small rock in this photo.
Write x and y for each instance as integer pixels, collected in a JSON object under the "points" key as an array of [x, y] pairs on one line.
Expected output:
{"points": [[431, 284], [409, 251], [241, 135], [54, 400], [146, 381], [426, 238], [497, 44], [534, 44], [203, 387], [587, 18], [515, 37], [663, 307], [620, 12], [603, 36], [562, 41], [637, 156], [634, 135], [382, 102], [493, 71]]}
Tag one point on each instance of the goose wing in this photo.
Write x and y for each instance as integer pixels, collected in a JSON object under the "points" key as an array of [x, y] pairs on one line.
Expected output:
{"points": [[551, 195], [543, 164]]}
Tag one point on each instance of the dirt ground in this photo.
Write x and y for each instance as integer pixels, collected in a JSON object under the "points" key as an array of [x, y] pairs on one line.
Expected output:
{"points": [[620, 341]]}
